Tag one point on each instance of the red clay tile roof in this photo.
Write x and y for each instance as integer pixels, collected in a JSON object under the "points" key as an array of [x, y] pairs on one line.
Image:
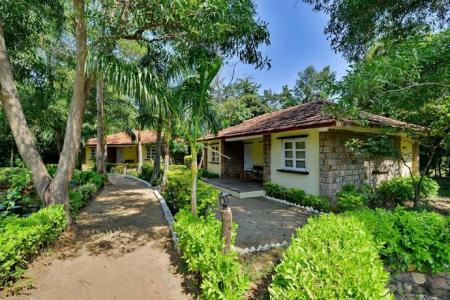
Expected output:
{"points": [[308, 115], [123, 138]]}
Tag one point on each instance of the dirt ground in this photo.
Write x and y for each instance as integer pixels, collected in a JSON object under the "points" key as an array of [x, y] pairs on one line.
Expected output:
{"points": [[122, 250], [262, 221]]}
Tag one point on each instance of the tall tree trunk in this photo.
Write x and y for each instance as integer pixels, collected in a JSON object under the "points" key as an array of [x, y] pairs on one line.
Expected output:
{"points": [[59, 140], [167, 138], [11, 159], [194, 170], [200, 163], [49, 191], [139, 151], [100, 155], [24, 138], [157, 161], [58, 190]]}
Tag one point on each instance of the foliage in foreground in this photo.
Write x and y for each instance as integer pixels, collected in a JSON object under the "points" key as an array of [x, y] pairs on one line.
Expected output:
{"points": [[178, 192], [388, 194], [352, 197], [201, 244], [297, 196], [22, 238], [409, 240], [398, 190], [331, 257], [85, 185]]}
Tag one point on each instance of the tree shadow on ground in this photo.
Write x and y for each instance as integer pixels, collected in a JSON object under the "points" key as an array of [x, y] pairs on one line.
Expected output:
{"points": [[190, 283]]}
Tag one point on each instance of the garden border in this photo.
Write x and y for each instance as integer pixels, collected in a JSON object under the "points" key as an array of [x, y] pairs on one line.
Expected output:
{"points": [[309, 209]]}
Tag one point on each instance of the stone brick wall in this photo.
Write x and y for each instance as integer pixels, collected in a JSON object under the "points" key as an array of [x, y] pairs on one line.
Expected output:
{"points": [[233, 166], [339, 165], [266, 155]]}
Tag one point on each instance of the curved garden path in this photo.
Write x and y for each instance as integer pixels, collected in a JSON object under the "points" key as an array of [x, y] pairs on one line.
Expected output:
{"points": [[122, 250]]}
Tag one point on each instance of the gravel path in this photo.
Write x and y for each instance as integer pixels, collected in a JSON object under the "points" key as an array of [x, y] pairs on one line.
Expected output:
{"points": [[122, 251]]}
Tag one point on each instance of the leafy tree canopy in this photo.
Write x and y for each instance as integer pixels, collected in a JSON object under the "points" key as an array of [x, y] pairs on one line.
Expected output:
{"points": [[240, 101], [312, 85], [355, 25]]}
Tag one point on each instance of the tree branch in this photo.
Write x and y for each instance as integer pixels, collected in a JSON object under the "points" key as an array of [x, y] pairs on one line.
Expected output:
{"points": [[417, 85]]}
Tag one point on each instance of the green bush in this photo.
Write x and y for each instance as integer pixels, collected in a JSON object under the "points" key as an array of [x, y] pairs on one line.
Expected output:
{"points": [[22, 238], [201, 244], [297, 196], [352, 197], [146, 173], [331, 257], [410, 240], [178, 192], [85, 186], [84, 177], [398, 190], [51, 169], [80, 196], [187, 161], [20, 197], [203, 173]]}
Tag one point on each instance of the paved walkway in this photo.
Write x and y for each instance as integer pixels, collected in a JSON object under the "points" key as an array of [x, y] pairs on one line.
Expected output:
{"points": [[122, 251], [262, 221]]}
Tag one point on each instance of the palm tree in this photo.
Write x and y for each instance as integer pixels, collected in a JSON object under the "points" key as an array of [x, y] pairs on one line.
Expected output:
{"points": [[195, 111]]}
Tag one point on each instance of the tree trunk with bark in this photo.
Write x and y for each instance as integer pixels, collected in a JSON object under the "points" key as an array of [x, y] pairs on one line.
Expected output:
{"points": [[139, 151], [101, 149], [167, 138], [24, 138], [194, 171], [157, 162], [11, 159], [58, 190]]}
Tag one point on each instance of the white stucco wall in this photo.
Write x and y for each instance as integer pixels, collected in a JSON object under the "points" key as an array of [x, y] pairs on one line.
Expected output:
{"points": [[309, 182]]}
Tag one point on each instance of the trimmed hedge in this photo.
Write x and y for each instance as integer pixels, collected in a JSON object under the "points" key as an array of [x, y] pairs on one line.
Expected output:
{"points": [[178, 192], [22, 238], [201, 244], [409, 240], [331, 257], [297, 196], [85, 186]]}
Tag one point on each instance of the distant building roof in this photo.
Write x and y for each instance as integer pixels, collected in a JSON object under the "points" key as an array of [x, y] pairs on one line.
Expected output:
{"points": [[123, 138], [308, 115]]}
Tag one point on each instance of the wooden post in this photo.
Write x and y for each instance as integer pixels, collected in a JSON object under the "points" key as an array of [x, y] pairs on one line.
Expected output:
{"points": [[227, 221]]}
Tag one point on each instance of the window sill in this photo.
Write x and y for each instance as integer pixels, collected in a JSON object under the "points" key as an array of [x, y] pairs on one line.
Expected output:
{"points": [[213, 162], [293, 171]]}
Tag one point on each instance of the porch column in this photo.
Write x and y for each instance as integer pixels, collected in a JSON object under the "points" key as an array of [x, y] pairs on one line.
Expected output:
{"points": [[205, 156], [266, 152]]}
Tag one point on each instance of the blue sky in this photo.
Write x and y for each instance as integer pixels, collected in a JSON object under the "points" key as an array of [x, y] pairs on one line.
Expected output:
{"points": [[297, 40]]}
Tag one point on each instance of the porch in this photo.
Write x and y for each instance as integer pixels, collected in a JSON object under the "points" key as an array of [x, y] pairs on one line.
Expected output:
{"points": [[237, 188]]}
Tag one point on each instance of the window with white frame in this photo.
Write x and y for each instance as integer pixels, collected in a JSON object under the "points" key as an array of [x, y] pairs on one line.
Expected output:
{"points": [[215, 153], [93, 153], [150, 154], [294, 154]]}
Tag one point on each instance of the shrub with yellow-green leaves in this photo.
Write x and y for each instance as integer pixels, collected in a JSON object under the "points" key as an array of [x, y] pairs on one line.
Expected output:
{"points": [[331, 257]]}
